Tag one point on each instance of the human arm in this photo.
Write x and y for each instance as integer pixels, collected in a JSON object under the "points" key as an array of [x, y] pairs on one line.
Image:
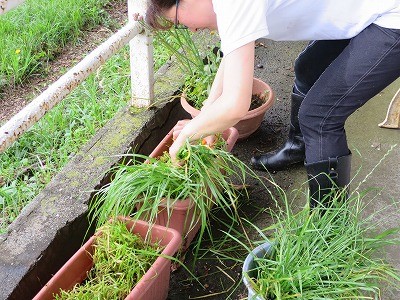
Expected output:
{"points": [[217, 85], [235, 85]]}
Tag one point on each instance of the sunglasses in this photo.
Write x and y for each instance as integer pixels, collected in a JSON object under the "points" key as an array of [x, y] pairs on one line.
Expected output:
{"points": [[176, 23]]}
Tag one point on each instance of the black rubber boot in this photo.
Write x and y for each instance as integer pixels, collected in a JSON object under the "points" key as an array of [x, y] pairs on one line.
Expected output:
{"points": [[327, 177], [292, 152]]}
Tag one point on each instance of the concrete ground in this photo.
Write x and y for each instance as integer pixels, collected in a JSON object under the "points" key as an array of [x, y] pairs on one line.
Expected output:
{"points": [[376, 161]]}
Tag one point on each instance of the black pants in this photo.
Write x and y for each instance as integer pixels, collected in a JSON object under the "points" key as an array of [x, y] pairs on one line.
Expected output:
{"points": [[337, 77]]}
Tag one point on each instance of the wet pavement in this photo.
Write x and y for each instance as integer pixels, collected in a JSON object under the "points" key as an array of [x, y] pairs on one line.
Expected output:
{"points": [[375, 165]]}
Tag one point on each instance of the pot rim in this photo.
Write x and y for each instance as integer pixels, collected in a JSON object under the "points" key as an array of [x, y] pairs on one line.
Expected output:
{"points": [[259, 252], [251, 113]]}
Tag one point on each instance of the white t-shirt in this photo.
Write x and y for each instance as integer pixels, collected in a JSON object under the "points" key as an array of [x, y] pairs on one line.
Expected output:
{"points": [[243, 21]]}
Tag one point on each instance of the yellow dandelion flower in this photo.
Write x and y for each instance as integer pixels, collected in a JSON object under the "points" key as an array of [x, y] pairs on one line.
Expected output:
{"points": [[18, 51]]}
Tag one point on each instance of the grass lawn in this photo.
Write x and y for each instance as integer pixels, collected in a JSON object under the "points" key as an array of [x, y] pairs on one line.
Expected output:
{"points": [[37, 31], [31, 162]]}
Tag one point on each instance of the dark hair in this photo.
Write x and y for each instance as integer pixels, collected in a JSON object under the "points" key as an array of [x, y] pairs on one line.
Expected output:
{"points": [[154, 14]]}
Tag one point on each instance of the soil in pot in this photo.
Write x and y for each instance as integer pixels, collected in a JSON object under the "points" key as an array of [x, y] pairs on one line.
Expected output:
{"points": [[256, 101]]}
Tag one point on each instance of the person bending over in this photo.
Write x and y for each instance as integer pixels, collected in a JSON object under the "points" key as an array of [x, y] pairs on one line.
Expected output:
{"points": [[353, 54]]}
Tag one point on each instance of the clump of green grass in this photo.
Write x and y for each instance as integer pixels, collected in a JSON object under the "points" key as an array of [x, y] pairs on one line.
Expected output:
{"points": [[36, 31], [120, 260], [328, 253], [205, 177], [199, 66], [199, 178]]}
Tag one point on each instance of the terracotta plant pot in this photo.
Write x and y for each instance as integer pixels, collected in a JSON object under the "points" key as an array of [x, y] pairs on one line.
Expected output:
{"points": [[153, 285], [250, 265], [252, 120], [182, 212]]}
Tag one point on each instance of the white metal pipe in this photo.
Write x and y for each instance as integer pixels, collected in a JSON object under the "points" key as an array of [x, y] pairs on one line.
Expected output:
{"points": [[57, 91], [141, 60], [6, 5]]}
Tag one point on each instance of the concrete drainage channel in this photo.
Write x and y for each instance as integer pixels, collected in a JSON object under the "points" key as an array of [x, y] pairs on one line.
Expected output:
{"points": [[53, 226]]}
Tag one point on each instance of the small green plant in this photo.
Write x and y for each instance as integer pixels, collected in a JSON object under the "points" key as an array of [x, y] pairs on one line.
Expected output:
{"points": [[329, 253], [199, 67], [197, 86], [120, 260]]}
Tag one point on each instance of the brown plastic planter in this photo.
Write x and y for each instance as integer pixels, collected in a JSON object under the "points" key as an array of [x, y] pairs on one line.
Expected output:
{"points": [[153, 285], [183, 211], [252, 120], [179, 218]]}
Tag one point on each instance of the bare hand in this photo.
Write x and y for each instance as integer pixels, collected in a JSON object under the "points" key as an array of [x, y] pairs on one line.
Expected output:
{"points": [[178, 142], [137, 17], [174, 150], [178, 128]]}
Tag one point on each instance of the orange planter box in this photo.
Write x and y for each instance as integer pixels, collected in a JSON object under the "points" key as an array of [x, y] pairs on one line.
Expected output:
{"points": [[153, 285]]}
